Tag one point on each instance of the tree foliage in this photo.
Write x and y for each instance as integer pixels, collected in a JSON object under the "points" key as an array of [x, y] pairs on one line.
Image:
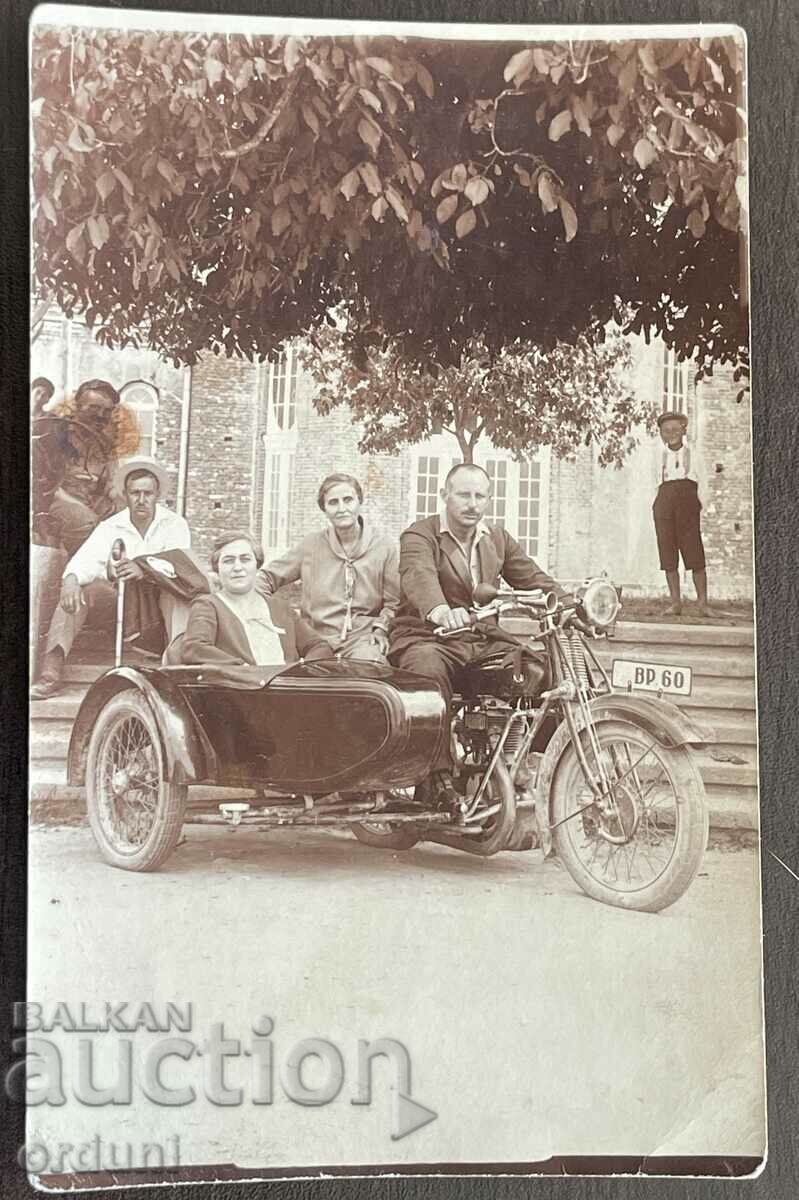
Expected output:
{"points": [[521, 398], [225, 191]]}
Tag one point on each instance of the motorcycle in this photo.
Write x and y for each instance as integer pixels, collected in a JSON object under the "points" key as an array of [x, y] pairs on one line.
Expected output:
{"points": [[603, 779]]}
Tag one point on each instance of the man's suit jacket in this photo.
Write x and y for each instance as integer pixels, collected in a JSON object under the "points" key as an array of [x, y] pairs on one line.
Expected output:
{"points": [[214, 634], [433, 571]]}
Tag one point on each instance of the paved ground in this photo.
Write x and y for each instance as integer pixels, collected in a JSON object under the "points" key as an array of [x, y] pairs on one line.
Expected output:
{"points": [[538, 1022]]}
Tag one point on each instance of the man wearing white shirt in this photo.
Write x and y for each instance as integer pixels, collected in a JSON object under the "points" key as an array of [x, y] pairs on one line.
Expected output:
{"points": [[676, 512], [144, 527]]}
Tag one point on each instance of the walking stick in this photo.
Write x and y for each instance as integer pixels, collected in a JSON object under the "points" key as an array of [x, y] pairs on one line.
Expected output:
{"points": [[117, 551]]}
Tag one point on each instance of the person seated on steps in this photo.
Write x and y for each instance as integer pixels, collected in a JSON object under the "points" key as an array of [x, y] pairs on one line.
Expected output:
{"points": [[147, 528]]}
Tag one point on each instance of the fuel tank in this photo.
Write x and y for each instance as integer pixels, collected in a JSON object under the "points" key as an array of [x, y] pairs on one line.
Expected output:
{"points": [[319, 727]]}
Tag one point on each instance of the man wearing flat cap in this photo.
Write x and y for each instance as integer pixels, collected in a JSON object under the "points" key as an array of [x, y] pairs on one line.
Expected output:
{"points": [[676, 512], [145, 528]]}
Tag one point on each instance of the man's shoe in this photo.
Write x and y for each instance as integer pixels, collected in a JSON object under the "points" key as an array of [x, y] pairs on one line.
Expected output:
{"points": [[50, 679]]}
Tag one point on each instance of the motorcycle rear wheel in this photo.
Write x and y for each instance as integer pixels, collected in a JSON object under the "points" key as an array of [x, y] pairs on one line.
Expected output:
{"points": [[136, 815], [386, 835], [646, 851]]}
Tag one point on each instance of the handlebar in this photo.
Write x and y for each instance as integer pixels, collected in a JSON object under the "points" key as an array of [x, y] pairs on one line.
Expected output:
{"points": [[543, 603], [593, 608]]}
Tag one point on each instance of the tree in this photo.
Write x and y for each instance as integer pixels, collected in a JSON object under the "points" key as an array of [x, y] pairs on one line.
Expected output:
{"points": [[519, 398], [225, 192]]}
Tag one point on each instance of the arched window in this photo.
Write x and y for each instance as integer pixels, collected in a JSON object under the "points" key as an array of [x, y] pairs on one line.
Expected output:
{"points": [[141, 398]]}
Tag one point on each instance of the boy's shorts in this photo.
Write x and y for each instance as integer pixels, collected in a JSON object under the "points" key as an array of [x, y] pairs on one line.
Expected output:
{"points": [[676, 511]]}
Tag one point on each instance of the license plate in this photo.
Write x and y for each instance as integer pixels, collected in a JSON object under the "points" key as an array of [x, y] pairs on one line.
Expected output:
{"points": [[651, 677]]}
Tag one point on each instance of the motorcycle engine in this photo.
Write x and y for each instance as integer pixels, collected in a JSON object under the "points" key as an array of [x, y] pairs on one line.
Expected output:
{"points": [[478, 728]]}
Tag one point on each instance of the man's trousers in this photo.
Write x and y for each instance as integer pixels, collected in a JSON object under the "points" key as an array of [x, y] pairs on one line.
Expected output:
{"points": [[65, 627]]}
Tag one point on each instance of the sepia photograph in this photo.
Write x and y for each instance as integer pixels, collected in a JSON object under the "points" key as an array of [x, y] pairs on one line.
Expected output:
{"points": [[393, 746]]}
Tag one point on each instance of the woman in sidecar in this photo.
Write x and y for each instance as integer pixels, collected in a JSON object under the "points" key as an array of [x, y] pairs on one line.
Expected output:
{"points": [[349, 573], [237, 625]]}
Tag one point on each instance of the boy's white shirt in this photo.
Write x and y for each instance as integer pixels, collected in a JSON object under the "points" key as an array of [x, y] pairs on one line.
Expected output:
{"points": [[678, 464]]}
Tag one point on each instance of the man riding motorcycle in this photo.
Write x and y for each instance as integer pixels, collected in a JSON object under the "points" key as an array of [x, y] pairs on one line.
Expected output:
{"points": [[442, 560]]}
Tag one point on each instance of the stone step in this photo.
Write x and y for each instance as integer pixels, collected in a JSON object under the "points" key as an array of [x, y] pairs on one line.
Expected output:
{"points": [[45, 774], [685, 635], [85, 673], [61, 707], [735, 663], [726, 774], [654, 634], [50, 740], [732, 809], [730, 728], [736, 694]]}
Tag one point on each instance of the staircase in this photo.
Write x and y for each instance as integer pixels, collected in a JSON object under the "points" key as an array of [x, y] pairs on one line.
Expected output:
{"points": [[50, 728], [722, 699]]}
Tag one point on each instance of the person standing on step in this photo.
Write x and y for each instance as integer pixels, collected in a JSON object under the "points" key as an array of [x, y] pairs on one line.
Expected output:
{"points": [[676, 512]]}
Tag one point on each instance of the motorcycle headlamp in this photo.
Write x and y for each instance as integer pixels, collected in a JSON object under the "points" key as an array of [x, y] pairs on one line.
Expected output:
{"points": [[600, 602]]}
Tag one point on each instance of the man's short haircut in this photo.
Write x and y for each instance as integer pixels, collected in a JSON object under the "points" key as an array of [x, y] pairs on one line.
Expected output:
{"points": [[45, 384], [98, 385], [464, 466], [141, 473], [235, 535], [332, 481]]}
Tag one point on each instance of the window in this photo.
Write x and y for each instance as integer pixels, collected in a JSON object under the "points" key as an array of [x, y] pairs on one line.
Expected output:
{"points": [[497, 469], [675, 383], [278, 395], [277, 502], [428, 469], [281, 385], [141, 398], [529, 521]]}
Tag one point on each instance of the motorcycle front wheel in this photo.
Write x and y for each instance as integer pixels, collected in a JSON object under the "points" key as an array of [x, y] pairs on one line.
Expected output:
{"points": [[641, 845]]}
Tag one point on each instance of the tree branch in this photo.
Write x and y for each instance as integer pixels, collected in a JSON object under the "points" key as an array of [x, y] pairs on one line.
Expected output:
{"points": [[263, 133], [541, 163]]}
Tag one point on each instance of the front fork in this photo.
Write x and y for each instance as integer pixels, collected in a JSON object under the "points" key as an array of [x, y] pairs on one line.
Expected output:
{"points": [[571, 691]]}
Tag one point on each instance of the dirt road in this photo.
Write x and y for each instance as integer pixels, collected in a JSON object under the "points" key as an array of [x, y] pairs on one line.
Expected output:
{"points": [[537, 1022]]}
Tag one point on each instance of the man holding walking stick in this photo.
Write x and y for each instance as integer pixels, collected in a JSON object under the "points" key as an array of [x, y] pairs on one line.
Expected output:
{"points": [[145, 529]]}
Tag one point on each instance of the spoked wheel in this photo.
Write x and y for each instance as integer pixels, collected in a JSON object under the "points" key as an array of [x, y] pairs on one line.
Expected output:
{"points": [[388, 835], [641, 844], [135, 816]]}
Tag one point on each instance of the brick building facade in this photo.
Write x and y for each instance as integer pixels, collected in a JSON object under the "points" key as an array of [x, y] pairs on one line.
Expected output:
{"points": [[244, 446]]}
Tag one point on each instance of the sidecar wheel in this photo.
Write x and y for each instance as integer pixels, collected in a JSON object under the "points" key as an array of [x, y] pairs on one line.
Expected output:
{"points": [[135, 815], [645, 849], [385, 835]]}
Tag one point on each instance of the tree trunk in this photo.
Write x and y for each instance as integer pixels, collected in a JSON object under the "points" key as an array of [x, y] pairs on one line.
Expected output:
{"points": [[465, 444]]}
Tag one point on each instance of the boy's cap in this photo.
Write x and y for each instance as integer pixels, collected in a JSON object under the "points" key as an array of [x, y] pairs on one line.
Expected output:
{"points": [[673, 416]]}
